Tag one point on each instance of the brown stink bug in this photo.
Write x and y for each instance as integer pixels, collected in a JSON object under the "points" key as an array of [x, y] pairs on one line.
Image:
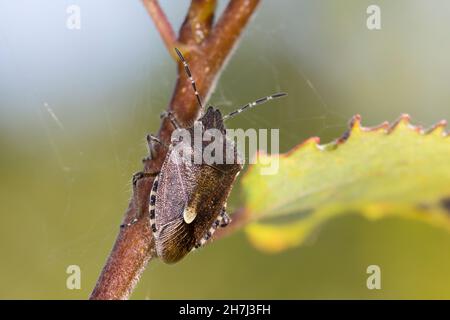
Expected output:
{"points": [[188, 199]]}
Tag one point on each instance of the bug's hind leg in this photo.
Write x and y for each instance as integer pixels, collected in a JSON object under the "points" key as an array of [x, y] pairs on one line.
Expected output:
{"points": [[141, 175], [222, 221], [136, 177]]}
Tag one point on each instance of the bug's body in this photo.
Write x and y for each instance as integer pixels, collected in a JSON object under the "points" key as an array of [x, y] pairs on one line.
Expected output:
{"points": [[184, 189], [188, 200]]}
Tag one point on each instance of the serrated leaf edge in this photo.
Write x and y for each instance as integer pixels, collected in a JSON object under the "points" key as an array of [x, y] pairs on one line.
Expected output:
{"points": [[355, 123], [386, 127]]}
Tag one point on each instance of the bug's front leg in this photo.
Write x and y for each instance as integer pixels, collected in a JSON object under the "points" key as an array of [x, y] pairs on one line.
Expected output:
{"points": [[151, 141], [171, 116], [141, 175]]}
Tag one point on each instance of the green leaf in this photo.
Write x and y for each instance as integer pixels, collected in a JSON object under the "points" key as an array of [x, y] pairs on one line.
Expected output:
{"points": [[388, 170]]}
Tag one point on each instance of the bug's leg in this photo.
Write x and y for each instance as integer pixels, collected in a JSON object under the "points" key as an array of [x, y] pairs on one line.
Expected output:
{"points": [[225, 218], [151, 140], [136, 177], [151, 206], [171, 116], [211, 230], [141, 175]]}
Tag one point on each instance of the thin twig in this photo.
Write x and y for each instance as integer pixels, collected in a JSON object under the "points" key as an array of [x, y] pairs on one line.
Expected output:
{"points": [[206, 47], [161, 22]]}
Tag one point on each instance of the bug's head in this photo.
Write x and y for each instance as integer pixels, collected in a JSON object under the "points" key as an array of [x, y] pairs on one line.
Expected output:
{"points": [[212, 119]]}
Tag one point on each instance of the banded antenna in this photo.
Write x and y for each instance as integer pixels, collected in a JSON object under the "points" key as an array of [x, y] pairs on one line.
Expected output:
{"points": [[254, 103], [189, 74]]}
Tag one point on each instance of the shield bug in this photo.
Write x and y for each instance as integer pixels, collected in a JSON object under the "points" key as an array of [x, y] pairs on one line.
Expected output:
{"points": [[188, 199]]}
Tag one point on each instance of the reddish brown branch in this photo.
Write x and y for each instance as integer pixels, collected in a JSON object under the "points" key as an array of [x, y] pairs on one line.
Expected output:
{"points": [[206, 48]]}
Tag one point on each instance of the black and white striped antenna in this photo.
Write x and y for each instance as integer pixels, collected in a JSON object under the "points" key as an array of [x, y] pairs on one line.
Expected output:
{"points": [[254, 104], [232, 114], [189, 74]]}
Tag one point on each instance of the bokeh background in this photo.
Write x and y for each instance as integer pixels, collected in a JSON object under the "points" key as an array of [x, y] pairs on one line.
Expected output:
{"points": [[75, 106]]}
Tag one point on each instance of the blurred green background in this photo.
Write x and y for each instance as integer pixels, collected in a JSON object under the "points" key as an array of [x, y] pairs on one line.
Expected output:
{"points": [[75, 106]]}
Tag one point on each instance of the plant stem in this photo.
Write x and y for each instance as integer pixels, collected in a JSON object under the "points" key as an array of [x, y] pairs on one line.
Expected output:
{"points": [[206, 47]]}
